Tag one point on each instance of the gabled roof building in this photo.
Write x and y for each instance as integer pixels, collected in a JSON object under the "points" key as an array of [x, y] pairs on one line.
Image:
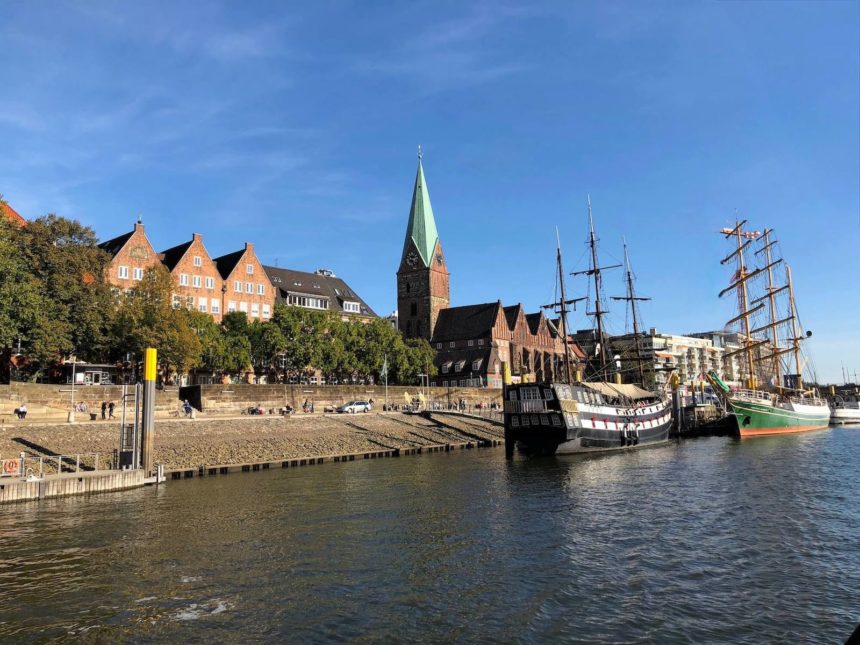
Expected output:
{"points": [[197, 282], [131, 255], [321, 290], [11, 214], [473, 341], [247, 287]]}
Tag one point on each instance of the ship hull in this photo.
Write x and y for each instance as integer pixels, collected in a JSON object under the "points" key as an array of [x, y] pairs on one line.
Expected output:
{"points": [[568, 420], [757, 419], [845, 415]]}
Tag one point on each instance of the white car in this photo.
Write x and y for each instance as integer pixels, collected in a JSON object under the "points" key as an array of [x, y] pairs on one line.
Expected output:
{"points": [[356, 406]]}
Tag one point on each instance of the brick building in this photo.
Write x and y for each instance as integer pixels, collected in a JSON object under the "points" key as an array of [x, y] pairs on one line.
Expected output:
{"points": [[321, 291], [247, 287], [131, 255], [197, 282], [423, 283], [472, 342], [11, 214]]}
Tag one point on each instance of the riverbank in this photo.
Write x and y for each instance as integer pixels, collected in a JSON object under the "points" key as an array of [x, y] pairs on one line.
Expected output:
{"points": [[182, 444]]}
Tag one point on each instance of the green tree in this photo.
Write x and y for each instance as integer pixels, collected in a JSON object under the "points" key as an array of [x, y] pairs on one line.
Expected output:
{"points": [[235, 356], [145, 318], [63, 255], [23, 304]]}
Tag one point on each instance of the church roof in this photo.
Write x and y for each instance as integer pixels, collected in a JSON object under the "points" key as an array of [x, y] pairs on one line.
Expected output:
{"points": [[463, 323], [422, 226]]}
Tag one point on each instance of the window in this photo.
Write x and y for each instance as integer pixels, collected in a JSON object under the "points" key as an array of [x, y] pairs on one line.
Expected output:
{"points": [[451, 344], [237, 286], [261, 290], [255, 310], [137, 274], [202, 306], [471, 343], [352, 307], [249, 269], [123, 273], [231, 306], [177, 301], [266, 311], [249, 288], [243, 306], [413, 309], [189, 302], [183, 279], [438, 345], [216, 306], [476, 364], [198, 261], [195, 280], [210, 283], [480, 342]]}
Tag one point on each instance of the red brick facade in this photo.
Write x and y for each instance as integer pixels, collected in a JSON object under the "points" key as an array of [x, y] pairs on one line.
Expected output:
{"points": [[422, 292], [247, 286], [196, 280], [132, 256]]}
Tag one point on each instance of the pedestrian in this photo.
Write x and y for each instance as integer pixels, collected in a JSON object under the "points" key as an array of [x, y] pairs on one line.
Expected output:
{"points": [[110, 410], [186, 408], [21, 411], [104, 409]]}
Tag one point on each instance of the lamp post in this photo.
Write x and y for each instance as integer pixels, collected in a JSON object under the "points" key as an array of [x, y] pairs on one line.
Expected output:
{"points": [[72, 411]]}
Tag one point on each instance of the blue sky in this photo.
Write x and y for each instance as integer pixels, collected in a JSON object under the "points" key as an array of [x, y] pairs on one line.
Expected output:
{"points": [[295, 125]]}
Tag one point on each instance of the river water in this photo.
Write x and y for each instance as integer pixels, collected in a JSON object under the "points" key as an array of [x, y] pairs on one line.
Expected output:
{"points": [[709, 540]]}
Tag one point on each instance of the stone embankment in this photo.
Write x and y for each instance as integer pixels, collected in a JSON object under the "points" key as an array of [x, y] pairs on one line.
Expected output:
{"points": [[189, 443]]}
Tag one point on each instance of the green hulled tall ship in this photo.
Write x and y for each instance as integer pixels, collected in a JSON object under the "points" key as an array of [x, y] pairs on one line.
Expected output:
{"points": [[774, 399]]}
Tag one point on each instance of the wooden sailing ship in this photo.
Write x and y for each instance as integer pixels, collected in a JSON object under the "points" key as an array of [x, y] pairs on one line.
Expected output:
{"points": [[584, 415], [774, 398]]}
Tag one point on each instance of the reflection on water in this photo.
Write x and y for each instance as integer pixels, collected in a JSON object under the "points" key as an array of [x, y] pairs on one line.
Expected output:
{"points": [[708, 540]]}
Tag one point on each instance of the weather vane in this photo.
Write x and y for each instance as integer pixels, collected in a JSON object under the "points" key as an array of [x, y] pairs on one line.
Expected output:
{"points": [[420, 154]]}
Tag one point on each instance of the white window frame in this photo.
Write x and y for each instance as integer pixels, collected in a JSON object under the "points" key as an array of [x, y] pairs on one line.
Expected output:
{"points": [[202, 305], [255, 310], [231, 306], [237, 286], [198, 261], [137, 274], [216, 306], [471, 343], [196, 281], [249, 287], [249, 269], [267, 311], [451, 344], [183, 279], [122, 273], [261, 290], [210, 283]]}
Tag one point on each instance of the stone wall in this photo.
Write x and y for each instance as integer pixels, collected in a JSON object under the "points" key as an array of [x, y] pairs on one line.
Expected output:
{"points": [[234, 398]]}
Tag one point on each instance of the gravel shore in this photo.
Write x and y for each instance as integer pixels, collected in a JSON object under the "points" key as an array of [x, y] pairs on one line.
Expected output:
{"points": [[188, 443]]}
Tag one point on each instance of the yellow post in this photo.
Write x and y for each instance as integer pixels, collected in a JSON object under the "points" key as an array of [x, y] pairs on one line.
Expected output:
{"points": [[147, 440], [506, 373], [579, 375], [617, 378]]}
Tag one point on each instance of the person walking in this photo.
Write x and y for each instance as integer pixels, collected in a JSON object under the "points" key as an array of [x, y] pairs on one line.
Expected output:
{"points": [[110, 410], [22, 411], [104, 409]]}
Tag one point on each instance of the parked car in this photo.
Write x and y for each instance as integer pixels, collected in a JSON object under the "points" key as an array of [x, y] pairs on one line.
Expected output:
{"points": [[355, 406]]}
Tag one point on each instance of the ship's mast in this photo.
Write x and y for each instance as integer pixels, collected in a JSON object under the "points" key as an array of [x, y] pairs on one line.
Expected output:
{"points": [[561, 307], [771, 297], [743, 296], [632, 299], [794, 330], [563, 312]]}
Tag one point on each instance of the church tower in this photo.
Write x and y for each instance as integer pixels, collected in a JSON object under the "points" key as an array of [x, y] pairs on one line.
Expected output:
{"points": [[422, 279]]}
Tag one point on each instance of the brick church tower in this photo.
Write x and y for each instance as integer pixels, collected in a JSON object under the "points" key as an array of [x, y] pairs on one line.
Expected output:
{"points": [[422, 279]]}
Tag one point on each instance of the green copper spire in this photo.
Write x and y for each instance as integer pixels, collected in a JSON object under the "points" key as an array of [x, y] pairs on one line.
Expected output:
{"points": [[422, 225]]}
